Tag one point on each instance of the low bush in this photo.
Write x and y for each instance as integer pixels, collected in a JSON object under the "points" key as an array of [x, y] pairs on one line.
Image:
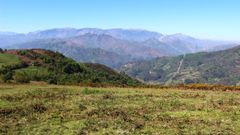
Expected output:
{"points": [[21, 77]]}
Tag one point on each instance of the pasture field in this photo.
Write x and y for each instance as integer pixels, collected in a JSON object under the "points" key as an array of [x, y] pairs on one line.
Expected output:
{"points": [[8, 59], [53, 109]]}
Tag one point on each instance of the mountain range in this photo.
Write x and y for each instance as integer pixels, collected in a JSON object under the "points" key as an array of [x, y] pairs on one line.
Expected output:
{"points": [[112, 47]]}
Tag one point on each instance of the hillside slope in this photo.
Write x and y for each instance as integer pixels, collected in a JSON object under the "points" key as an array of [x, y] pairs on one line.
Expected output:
{"points": [[222, 67], [51, 67]]}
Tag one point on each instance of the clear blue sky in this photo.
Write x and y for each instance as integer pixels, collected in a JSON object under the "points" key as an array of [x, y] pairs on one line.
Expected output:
{"points": [[213, 19]]}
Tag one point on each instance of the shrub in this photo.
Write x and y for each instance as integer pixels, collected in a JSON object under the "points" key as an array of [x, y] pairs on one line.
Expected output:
{"points": [[21, 77], [52, 81], [6, 76]]}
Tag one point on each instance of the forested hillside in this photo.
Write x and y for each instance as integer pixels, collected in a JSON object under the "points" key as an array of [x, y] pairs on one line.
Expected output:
{"points": [[222, 67], [23, 66]]}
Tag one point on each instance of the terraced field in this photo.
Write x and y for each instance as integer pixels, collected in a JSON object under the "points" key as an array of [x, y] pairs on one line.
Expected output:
{"points": [[51, 109]]}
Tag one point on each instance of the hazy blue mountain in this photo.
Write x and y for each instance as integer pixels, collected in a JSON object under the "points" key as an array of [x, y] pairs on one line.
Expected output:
{"points": [[179, 42], [133, 34], [125, 34], [222, 47], [8, 38], [118, 43], [54, 33], [123, 47], [7, 33], [188, 44], [77, 52], [169, 49]]}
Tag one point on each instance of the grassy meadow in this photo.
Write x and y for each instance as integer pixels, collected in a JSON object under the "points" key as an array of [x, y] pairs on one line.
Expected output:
{"points": [[51, 109], [8, 59]]}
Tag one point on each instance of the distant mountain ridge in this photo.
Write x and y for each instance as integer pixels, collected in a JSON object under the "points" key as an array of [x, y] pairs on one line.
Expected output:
{"points": [[77, 52], [130, 44], [124, 34]]}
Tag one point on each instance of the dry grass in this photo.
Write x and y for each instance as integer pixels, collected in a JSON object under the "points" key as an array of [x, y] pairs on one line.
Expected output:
{"points": [[50, 109]]}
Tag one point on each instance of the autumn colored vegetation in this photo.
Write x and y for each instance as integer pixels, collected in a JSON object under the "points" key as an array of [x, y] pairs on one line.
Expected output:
{"points": [[217, 87]]}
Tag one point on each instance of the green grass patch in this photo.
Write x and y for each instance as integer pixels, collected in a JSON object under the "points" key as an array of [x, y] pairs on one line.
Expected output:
{"points": [[8, 59], [51, 109]]}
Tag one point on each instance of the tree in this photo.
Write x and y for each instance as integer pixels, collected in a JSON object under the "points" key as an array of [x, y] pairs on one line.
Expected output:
{"points": [[72, 68]]}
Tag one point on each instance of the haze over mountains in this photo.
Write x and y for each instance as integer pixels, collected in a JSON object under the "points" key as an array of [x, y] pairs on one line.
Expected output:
{"points": [[112, 47]]}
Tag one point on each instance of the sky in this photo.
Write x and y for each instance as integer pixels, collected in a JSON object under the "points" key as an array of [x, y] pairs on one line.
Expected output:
{"points": [[209, 19]]}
